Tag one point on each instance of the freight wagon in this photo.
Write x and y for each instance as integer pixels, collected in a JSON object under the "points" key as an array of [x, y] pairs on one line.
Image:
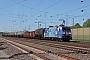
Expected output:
{"points": [[30, 34], [39, 33], [20, 34]]}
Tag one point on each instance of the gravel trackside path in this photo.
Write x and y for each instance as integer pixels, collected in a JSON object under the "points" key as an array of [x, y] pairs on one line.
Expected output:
{"points": [[8, 52], [3, 56]]}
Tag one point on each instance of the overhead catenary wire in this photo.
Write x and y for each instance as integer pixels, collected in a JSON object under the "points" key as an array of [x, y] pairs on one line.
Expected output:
{"points": [[26, 6], [74, 10], [11, 14], [45, 8], [36, 6], [39, 16], [62, 13], [5, 3], [32, 8], [48, 7], [13, 4], [38, 3], [9, 6]]}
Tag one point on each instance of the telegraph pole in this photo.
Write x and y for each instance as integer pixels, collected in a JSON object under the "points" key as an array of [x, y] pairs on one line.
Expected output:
{"points": [[83, 20], [29, 27], [38, 24], [67, 20], [73, 21]]}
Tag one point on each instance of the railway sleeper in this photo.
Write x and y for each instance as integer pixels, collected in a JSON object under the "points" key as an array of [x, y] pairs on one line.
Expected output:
{"points": [[80, 51]]}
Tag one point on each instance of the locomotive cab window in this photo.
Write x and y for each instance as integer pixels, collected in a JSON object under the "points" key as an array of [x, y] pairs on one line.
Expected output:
{"points": [[66, 28]]}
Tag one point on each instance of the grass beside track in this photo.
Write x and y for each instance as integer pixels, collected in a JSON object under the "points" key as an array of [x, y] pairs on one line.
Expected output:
{"points": [[81, 40]]}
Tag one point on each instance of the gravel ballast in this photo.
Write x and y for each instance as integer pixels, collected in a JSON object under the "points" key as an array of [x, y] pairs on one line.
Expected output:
{"points": [[77, 55], [9, 52]]}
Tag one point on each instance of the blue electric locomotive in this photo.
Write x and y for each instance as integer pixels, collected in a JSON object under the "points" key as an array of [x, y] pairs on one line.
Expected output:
{"points": [[61, 33]]}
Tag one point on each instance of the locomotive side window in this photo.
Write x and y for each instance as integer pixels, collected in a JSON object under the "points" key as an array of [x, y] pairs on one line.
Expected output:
{"points": [[59, 29]]}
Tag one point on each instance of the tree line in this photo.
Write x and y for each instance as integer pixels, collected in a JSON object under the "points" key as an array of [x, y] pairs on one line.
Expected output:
{"points": [[85, 24]]}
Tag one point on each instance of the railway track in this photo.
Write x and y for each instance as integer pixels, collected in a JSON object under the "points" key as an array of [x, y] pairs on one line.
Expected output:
{"points": [[39, 55], [53, 46], [74, 47]]}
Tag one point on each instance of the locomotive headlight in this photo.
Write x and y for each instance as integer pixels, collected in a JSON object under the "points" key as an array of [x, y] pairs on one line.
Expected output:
{"points": [[56, 32], [44, 34]]}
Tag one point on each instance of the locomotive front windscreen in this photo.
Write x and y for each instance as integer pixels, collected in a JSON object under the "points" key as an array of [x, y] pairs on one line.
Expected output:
{"points": [[66, 31], [66, 28]]}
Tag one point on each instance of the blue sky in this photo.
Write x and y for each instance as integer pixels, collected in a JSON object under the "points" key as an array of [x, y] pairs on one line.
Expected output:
{"points": [[19, 15]]}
